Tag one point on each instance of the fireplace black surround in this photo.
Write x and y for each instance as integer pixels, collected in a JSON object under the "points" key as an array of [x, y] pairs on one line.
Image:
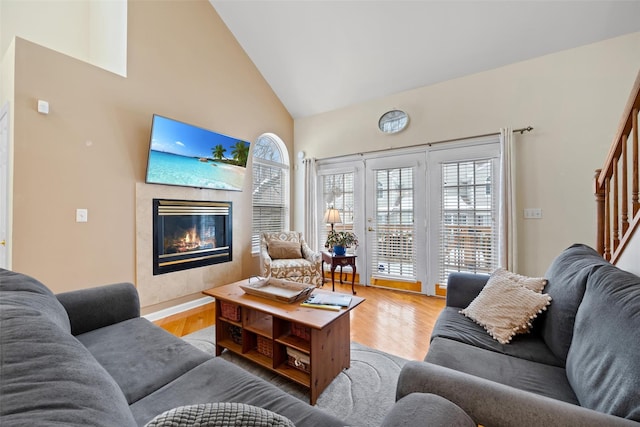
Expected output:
{"points": [[189, 234]]}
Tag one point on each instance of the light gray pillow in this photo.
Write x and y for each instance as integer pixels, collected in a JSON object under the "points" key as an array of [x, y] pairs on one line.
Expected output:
{"points": [[227, 414]]}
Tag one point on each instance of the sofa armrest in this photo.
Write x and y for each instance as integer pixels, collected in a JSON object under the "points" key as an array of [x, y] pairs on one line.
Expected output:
{"points": [[493, 404], [94, 308], [420, 409], [462, 288]]}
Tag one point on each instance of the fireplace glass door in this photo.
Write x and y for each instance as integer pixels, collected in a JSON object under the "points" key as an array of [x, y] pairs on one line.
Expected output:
{"points": [[189, 234]]}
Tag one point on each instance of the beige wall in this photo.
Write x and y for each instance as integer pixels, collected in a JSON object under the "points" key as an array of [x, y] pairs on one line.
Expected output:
{"points": [[94, 31], [629, 259], [61, 25], [573, 99], [91, 150]]}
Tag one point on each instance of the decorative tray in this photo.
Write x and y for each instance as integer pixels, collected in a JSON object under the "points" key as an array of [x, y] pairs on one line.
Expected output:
{"points": [[278, 289]]}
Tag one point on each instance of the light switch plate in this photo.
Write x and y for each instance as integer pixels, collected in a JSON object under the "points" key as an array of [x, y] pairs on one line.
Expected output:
{"points": [[533, 213], [82, 215], [43, 107]]}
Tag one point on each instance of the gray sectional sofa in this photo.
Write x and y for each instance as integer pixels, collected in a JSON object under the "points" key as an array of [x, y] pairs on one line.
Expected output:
{"points": [[87, 358], [579, 365]]}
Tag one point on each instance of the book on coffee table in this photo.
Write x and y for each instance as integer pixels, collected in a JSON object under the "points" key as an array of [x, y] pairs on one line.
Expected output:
{"points": [[340, 300]]}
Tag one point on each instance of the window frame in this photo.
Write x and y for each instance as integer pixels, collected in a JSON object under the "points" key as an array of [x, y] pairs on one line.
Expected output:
{"points": [[259, 163], [478, 149]]}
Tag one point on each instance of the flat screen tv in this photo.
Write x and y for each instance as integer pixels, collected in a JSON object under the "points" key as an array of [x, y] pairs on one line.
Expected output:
{"points": [[190, 156]]}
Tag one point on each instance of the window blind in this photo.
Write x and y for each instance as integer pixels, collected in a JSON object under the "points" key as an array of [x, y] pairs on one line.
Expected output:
{"points": [[269, 196], [468, 226]]}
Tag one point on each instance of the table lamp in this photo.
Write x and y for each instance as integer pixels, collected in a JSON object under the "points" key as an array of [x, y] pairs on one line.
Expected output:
{"points": [[332, 216]]}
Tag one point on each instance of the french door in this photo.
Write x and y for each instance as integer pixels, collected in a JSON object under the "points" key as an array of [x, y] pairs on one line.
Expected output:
{"points": [[464, 188], [418, 214], [395, 222]]}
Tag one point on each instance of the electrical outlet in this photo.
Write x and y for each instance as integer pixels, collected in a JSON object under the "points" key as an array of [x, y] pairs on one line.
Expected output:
{"points": [[533, 213], [82, 215]]}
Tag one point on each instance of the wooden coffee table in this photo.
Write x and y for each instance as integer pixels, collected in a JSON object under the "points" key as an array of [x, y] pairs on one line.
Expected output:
{"points": [[268, 332]]}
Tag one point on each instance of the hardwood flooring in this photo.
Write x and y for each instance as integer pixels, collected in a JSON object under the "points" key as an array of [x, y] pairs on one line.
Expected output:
{"points": [[392, 321]]}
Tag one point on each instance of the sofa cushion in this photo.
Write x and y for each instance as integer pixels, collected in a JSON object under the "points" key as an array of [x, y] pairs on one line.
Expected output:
{"points": [[140, 356], [453, 325], [218, 380], [567, 276], [220, 414], [19, 290], [602, 364], [48, 377], [545, 380], [504, 307], [280, 249]]}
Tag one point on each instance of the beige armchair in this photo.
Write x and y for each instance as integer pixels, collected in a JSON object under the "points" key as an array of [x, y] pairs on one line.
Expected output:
{"points": [[285, 255]]}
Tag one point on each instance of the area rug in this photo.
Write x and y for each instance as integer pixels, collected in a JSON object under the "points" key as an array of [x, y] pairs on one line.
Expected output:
{"points": [[360, 395]]}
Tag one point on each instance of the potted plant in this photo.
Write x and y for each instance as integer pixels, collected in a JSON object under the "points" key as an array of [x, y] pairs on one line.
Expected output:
{"points": [[340, 240]]}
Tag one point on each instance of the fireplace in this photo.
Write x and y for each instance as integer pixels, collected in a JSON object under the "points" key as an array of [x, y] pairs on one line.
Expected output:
{"points": [[189, 234]]}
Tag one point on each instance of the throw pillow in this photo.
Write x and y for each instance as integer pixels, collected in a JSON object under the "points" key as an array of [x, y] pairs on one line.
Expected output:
{"points": [[279, 249], [504, 307], [223, 414], [536, 284]]}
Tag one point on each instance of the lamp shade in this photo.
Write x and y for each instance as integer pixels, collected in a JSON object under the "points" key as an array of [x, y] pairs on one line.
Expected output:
{"points": [[332, 216]]}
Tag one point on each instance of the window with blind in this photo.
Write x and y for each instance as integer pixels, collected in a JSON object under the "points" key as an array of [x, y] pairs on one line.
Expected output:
{"points": [[468, 226], [394, 244], [270, 188], [338, 192]]}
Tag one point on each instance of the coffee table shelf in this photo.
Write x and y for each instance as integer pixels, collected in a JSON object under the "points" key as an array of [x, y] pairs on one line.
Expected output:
{"points": [[273, 324], [294, 342]]}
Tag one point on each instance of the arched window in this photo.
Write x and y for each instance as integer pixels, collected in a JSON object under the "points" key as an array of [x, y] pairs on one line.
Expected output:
{"points": [[270, 188]]}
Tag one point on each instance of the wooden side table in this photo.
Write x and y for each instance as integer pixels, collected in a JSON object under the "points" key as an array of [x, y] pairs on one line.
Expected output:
{"points": [[340, 261]]}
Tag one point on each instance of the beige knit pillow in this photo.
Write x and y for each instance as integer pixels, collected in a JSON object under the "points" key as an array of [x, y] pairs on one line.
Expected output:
{"points": [[536, 284], [505, 307]]}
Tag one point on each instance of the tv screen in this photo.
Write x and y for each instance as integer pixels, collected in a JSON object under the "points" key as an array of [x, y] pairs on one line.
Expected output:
{"points": [[190, 156]]}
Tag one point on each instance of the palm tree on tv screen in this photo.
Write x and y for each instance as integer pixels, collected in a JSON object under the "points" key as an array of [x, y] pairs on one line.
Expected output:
{"points": [[218, 152], [240, 153]]}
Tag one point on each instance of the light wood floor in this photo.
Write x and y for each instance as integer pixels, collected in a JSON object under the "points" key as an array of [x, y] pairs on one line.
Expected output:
{"points": [[396, 322]]}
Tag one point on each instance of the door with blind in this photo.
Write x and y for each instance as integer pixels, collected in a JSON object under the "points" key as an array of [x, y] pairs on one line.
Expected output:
{"points": [[419, 215], [395, 222], [464, 199]]}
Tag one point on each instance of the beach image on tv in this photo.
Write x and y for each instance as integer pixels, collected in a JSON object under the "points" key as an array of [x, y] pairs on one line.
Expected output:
{"points": [[182, 154]]}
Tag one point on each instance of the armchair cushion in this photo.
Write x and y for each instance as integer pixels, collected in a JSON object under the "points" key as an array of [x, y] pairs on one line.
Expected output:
{"points": [[279, 249]]}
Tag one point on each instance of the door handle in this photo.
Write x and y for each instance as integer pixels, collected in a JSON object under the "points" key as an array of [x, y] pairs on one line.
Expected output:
{"points": [[3, 243], [371, 229]]}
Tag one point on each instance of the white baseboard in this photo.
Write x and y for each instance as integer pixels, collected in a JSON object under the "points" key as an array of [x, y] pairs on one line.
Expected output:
{"points": [[157, 315]]}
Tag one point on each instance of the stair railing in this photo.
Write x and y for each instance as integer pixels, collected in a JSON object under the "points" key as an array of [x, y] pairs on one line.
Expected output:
{"points": [[617, 186]]}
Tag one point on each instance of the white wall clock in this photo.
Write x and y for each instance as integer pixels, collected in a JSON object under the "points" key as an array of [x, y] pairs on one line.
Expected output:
{"points": [[393, 121]]}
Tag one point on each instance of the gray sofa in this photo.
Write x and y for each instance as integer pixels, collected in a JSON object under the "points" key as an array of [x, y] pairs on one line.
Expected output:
{"points": [[579, 365], [87, 358]]}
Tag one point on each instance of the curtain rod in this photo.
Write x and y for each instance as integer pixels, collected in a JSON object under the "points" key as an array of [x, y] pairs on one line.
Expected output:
{"points": [[429, 144]]}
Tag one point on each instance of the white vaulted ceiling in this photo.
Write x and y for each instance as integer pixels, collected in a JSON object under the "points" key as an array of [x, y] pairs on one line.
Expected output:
{"points": [[321, 55]]}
